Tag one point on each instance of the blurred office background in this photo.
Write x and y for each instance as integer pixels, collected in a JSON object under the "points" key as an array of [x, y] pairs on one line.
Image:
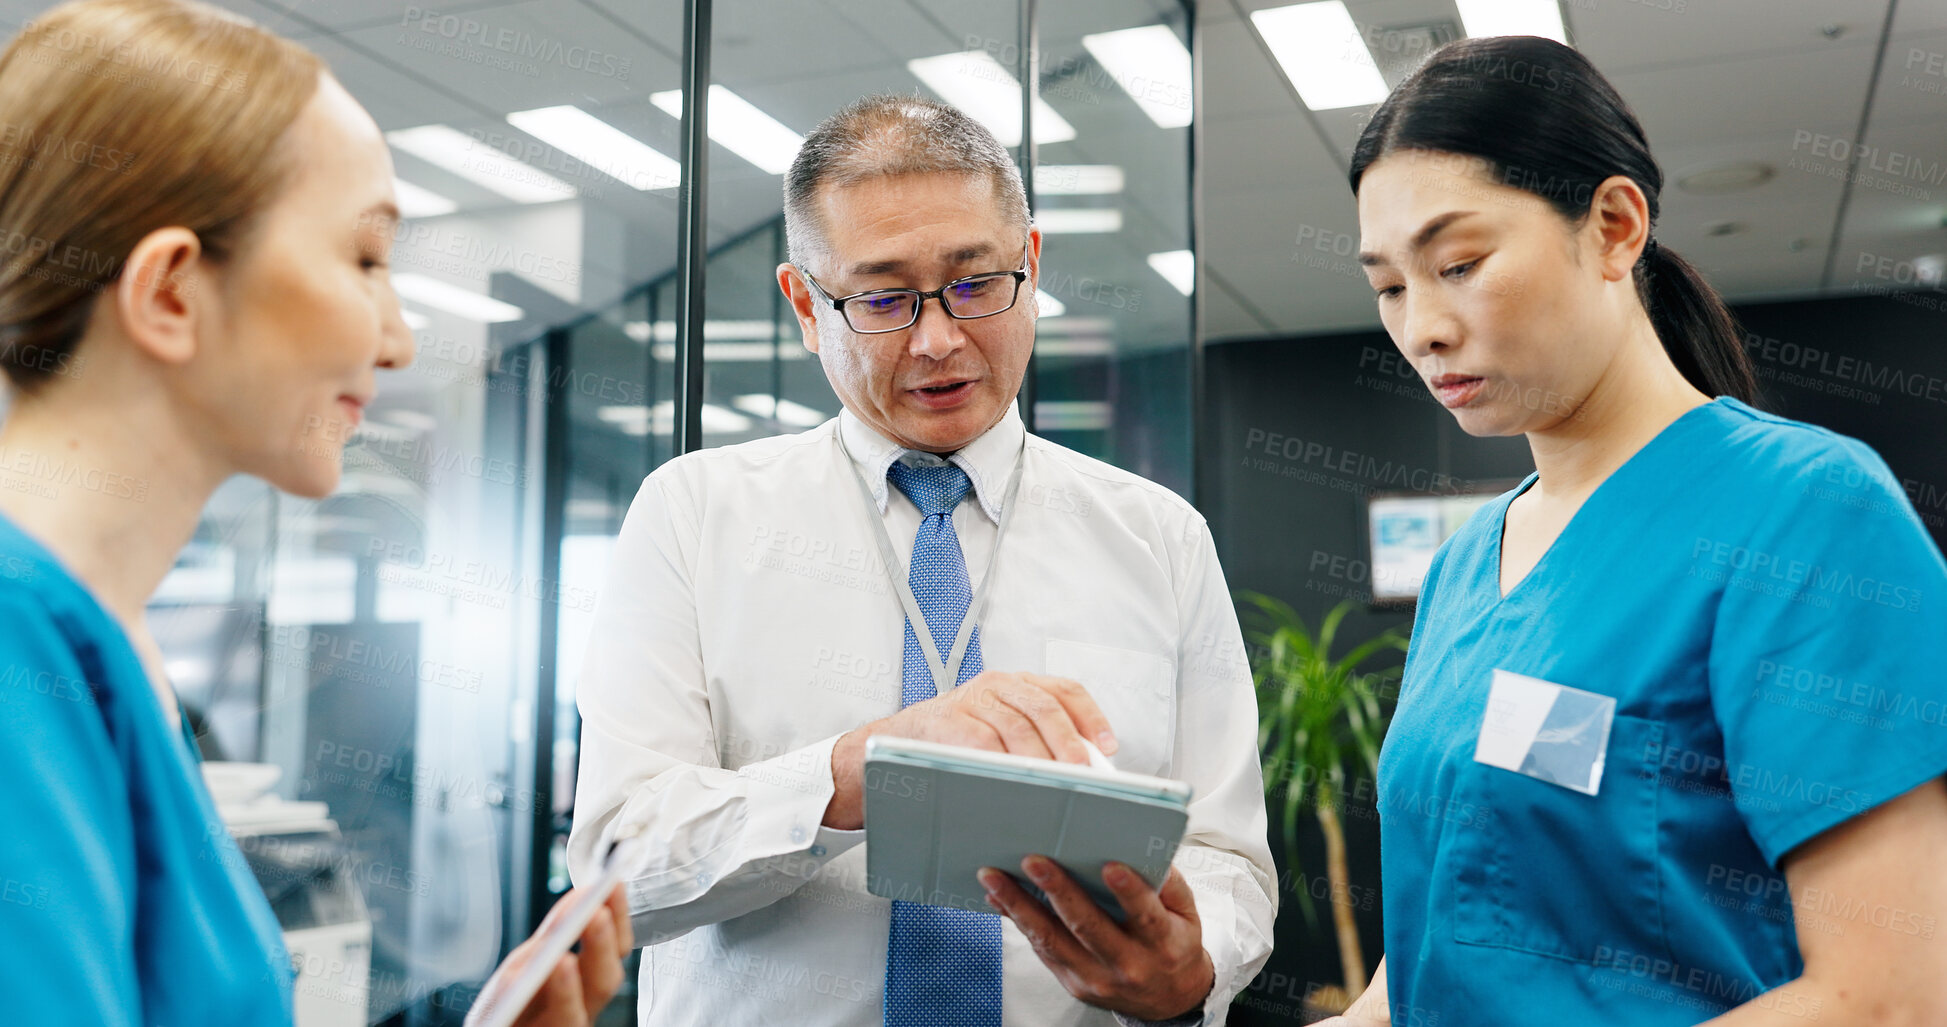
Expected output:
{"points": [[405, 651]]}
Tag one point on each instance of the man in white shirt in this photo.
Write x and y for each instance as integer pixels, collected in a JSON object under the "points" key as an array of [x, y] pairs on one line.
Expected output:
{"points": [[751, 637]]}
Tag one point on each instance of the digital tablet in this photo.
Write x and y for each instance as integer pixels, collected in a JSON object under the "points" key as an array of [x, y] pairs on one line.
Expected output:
{"points": [[935, 814]]}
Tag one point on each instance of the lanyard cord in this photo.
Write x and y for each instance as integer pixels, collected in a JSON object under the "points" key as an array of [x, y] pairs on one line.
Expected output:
{"points": [[946, 672]]}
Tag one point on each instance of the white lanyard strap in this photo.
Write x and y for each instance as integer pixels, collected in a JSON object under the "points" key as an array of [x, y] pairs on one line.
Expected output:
{"points": [[946, 673]]}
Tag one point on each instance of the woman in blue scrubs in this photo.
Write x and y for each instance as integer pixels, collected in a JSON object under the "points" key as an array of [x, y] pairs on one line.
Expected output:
{"points": [[193, 285], [1669, 744]]}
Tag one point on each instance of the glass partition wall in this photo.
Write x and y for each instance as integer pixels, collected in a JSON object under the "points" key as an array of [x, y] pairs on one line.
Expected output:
{"points": [[405, 651]]}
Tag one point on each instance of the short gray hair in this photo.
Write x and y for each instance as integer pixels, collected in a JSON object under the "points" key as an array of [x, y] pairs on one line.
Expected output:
{"points": [[884, 135]]}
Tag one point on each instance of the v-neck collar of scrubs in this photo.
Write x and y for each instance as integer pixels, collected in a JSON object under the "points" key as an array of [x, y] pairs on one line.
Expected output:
{"points": [[1603, 490]]}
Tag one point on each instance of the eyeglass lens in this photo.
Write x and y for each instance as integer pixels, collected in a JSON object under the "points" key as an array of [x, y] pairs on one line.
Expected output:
{"points": [[895, 309]]}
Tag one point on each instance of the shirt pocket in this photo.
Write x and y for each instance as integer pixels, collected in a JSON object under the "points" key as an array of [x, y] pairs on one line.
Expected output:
{"points": [[1136, 691], [1557, 873]]}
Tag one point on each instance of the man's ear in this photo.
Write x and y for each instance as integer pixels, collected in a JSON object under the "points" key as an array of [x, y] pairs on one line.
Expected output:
{"points": [[797, 292], [1034, 270], [155, 296]]}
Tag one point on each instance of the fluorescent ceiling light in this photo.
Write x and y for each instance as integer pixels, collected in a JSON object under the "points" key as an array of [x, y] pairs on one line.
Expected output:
{"points": [[416, 202], [783, 411], [1073, 348], [1322, 54], [454, 300], [1047, 326], [475, 161], [413, 420], [722, 420], [725, 336], [734, 352], [1178, 267], [1048, 306], [416, 320], [1077, 179], [588, 508], [977, 83], [622, 414], [1512, 18], [1152, 66], [1930, 269], [1078, 220], [187, 671], [661, 419], [665, 331], [741, 128], [639, 420], [1073, 415], [600, 145]]}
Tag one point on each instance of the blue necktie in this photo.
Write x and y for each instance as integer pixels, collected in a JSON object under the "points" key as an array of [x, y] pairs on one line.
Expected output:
{"points": [[943, 965]]}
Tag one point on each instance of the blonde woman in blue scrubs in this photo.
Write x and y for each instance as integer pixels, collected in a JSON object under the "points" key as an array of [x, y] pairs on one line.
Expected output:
{"points": [[193, 284], [1669, 745]]}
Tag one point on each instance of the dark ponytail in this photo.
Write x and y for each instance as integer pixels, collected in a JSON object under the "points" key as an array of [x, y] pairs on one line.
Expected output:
{"points": [[1696, 328], [1542, 119]]}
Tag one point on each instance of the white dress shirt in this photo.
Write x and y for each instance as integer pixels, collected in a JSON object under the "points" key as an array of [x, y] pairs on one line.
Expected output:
{"points": [[748, 622]]}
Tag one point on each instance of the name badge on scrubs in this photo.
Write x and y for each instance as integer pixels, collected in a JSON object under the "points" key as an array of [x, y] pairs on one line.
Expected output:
{"points": [[1547, 731]]}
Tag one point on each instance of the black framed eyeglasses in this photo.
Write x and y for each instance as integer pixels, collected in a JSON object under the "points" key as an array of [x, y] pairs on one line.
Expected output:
{"points": [[889, 310]]}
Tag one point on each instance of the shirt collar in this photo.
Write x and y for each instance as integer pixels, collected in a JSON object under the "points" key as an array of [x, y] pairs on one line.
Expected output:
{"points": [[988, 460]]}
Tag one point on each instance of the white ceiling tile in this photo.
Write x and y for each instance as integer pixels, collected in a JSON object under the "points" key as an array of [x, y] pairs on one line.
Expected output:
{"points": [[1617, 36], [1265, 151], [892, 26], [1898, 209], [1291, 253], [1919, 16], [527, 55], [749, 32], [1238, 81], [1913, 83], [1071, 21], [394, 98], [1795, 207], [1753, 96], [1224, 320]]}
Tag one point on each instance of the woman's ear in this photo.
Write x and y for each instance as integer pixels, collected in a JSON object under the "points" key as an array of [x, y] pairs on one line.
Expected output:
{"points": [[1619, 215], [155, 296]]}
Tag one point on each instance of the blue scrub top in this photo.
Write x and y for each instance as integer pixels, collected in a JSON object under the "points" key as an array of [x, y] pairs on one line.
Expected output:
{"points": [[1761, 601], [125, 900]]}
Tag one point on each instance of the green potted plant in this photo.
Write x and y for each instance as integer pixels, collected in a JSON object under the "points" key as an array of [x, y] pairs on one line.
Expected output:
{"points": [[1316, 714]]}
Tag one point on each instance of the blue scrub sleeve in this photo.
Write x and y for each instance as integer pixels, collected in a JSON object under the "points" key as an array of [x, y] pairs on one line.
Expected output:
{"points": [[1826, 668], [67, 853]]}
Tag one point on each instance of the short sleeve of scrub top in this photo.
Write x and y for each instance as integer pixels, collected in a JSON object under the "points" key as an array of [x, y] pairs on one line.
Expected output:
{"points": [[1764, 606], [125, 900]]}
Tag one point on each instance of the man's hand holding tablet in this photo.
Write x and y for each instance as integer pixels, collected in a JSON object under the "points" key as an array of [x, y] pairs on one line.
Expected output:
{"points": [[938, 816], [1151, 966]]}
